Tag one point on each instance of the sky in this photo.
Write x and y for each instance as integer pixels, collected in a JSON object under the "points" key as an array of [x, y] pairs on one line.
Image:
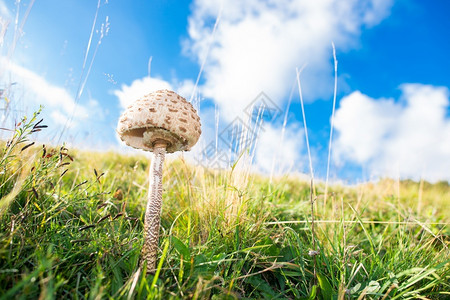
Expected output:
{"points": [[85, 61]]}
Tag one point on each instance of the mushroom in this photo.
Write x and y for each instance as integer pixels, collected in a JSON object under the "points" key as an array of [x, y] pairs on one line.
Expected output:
{"points": [[159, 122]]}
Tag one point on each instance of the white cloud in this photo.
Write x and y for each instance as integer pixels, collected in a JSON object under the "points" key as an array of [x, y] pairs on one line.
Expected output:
{"points": [[43, 91], [143, 86], [60, 119], [279, 153], [185, 88], [379, 117], [256, 48], [258, 44], [37, 89], [138, 88], [409, 138], [4, 11]]}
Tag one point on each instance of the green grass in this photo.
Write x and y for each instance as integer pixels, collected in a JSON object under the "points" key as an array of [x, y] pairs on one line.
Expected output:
{"points": [[71, 227]]}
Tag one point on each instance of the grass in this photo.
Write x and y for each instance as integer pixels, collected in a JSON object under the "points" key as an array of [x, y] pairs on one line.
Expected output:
{"points": [[71, 227]]}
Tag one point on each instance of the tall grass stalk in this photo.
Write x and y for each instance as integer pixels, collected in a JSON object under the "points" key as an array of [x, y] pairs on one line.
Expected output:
{"points": [[86, 72], [202, 66], [17, 34], [283, 131], [331, 125], [420, 196], [216, 128], [312, 197], [311, 170], [149, 66], [3, 28]]}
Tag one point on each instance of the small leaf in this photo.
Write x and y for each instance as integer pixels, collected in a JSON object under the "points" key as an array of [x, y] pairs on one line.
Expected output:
{"points": [[262, 286], [181, 248], [80, 184], [35, 193], [37, 126], [292, 274], [325, 287], [63, 173], [287, 253], [118, 215], [27, 146], [355, 289], [86, 227], [98, 176], [373, 287], [312, 295], [103, 218]]}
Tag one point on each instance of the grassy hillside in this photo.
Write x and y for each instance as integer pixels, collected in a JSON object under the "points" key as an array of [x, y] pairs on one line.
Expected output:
{"points": [[71, 227]]}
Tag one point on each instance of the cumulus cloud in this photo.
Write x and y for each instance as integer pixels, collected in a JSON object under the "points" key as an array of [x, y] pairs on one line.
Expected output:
{"points": [[256, 48], [269, 148], [4, 11], [139, 87], [279, 152], [259, 43], [60, 119], [127, 94], [185, 88], [39, 90], [409, 138]]}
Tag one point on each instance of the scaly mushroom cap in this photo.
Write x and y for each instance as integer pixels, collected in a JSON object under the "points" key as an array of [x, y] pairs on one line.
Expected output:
{"points": [[162, 116]]}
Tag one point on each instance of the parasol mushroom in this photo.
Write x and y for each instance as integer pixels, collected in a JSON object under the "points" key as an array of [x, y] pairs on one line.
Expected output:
{"points": [[159, 122]]}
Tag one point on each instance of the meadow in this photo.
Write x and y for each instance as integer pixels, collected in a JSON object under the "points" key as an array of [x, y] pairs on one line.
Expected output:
{"points": [[71, 227]]}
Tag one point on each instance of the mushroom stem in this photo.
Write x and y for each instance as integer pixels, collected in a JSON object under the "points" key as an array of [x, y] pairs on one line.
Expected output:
{"points": [[153, 211]]}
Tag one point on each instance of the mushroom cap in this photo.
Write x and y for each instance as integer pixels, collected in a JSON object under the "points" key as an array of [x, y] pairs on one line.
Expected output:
{"points": [[162, 116]]}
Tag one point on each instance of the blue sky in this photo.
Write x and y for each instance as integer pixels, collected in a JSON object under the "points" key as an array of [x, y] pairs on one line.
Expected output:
{"points": [[392, 113]]}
